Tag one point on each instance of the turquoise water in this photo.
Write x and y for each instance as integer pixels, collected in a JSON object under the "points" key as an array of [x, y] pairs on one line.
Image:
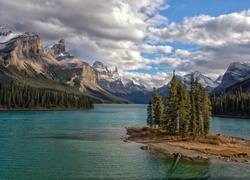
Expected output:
{"points": [[88, 145]]}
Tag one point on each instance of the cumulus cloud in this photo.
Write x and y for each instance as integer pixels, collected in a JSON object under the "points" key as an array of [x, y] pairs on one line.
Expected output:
{"points": [[118, 32], [221, 40], [109, 31], [151, 49], [182, 53], [206, 30], [149, 80]]}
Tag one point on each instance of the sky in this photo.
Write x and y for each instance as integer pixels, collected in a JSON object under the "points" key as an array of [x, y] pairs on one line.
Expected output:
{"points": [[146, 39]]}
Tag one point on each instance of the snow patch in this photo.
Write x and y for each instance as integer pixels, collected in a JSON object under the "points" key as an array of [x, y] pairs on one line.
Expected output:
{"points": [[4, 39]]}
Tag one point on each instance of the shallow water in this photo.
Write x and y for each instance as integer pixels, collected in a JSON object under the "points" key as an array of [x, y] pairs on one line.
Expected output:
{"points": [[88, 145]]}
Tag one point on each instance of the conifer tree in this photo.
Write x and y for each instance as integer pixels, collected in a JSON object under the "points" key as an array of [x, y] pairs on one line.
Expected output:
{"points": [[150, 121], [198, 107], [192, 126], [206, 112], [157, 109], [184, 109], [171, 107]]}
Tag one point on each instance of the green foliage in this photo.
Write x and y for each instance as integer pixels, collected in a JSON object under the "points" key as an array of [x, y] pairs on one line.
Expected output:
{"points": [[150, 121], [157, 109], [232, 105], [182, 113], [16, 96], [171, 108], [184, 109], [206, 112], [192, 124]]}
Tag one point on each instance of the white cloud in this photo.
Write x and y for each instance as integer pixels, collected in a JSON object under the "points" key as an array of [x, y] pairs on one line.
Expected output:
{"points": [[150, 80], [151, 49], [206, 30], [182, 53], [116, 32], [110, 31]]}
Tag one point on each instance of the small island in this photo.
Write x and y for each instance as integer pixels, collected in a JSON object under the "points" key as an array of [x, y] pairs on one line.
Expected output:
{"points": [[180, 126], [215, 146]]}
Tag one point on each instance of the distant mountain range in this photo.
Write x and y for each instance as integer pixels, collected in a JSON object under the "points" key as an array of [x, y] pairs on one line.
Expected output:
{"points": [[236, 74], [24, 60], [112, 81], [206, 82]]}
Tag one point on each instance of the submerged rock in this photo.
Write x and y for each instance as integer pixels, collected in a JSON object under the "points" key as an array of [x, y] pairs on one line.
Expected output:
{"points": [[144, 147]]}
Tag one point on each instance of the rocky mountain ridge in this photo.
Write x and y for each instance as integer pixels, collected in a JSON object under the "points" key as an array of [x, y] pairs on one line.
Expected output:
{"points": [[236, 72], [206, 82], [127, 88], [23, 59], [25, 52], [112, 81]]}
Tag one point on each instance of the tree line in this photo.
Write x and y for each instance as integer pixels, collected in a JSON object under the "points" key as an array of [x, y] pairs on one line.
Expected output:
{"points": [[237, 104], [181, 112], [16, 96]]}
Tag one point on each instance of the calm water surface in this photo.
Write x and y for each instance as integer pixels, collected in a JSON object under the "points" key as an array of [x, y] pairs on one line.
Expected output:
{"points": [[88, 145]]}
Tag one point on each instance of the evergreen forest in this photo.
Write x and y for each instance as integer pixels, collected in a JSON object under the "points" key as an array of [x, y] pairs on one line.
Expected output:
{"points": [[181, 113], [237, 104], [25, 97]]}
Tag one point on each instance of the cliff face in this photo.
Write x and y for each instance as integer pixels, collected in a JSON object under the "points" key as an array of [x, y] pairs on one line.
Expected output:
{"points": [[26, 52], [113, 82], [83, 71], [24, 60]]}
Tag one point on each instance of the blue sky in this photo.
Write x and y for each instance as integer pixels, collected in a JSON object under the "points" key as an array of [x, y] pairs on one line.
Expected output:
{"points": [[144, 39], [189, 8]]}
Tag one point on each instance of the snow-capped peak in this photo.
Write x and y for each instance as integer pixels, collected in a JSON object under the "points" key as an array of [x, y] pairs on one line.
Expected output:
{"points": [[238, 66], [219, 79], [99, 66], [7, 35], [59, 50], [112, 81], [137, 81], [203, 80], [4, 31]]}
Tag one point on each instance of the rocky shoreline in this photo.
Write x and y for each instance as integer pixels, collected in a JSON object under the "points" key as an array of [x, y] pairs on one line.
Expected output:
{"points": [[215, 146]]}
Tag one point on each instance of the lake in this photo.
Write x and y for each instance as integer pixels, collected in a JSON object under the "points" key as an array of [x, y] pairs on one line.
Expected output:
{"points": [[88, 145]]}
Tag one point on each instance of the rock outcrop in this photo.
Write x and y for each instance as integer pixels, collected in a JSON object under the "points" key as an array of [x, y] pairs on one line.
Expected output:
{"points": [[236, 73], [123, 87], [26, 53], [83, 71]]}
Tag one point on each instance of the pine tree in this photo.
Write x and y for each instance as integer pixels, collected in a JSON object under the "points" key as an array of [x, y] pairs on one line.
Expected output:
{"points": [[193, 125], [184, 109], [157, 109], [150, 114], [206, 113], [198, 107], [171, 107]]}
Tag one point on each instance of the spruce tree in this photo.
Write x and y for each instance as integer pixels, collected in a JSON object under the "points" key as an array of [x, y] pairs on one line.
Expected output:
{"points": [[206, 113], [192, 126], [150, 114], [184, 109], [157, 109], [171, 107], [198, 107]]}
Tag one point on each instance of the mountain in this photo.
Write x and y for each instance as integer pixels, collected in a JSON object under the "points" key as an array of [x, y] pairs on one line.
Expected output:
{"points": [[85, 75], [205, 81], [236, 73], [112, 81], [24, 60], [245, 85], [83, 71]]}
